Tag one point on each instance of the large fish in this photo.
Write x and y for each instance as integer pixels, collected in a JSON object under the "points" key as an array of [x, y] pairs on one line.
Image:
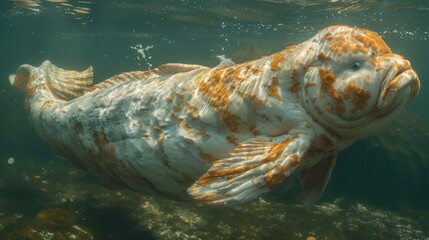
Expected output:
{"points": [[225, 134]]}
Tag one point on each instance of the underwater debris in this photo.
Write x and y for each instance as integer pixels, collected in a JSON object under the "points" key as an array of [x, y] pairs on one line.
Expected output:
{"points": [[11, 161], [51, 224], [74, 206]]}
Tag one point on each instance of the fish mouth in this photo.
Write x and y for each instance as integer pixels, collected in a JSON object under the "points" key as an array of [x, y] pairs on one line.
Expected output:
{"points": [[402, 87]]}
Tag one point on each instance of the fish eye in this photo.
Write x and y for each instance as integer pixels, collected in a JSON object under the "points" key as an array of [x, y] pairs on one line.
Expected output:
{"points": [[356, 65]]}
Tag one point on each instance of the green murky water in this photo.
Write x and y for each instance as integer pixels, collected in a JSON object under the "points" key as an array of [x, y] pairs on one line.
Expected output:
{"points": [[378, 190]]}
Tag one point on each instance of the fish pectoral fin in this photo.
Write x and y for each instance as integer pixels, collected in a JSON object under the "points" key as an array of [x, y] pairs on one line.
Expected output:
{"points": [[254, 167], [66, 84], [314, 179]]}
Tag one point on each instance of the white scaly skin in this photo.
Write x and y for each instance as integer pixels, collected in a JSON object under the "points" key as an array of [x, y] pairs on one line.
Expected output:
{"points": [[233, 131]]}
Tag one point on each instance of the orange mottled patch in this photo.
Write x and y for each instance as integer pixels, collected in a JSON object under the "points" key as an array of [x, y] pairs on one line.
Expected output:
{"points": [[218, 89], [357, 96], [327, 80], [390, 86], [277, 149], [273, 178], [274, 90], [277, 59], [253, 99], [278, 174], [250, 69], [374, 41], [296, 84], [348, 41]]}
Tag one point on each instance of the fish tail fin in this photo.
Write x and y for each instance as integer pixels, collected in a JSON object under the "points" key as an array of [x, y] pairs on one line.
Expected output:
{"points": [[62, 84], [22, 76]]}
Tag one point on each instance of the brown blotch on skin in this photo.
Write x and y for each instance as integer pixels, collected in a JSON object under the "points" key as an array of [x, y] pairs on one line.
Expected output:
{"points": [[172, 95], [274, 90], [325, 142], [106, 158], [253, 99], [323, 57], [265, 117], [105, 148], [296, 84], [357, 96], [231, 120], [309, 85], [328, 36], [183, 125], [78, 128], [203, 133], [254, 130], [160, 142], [327, 80], [277, 59], [232, 140], [192, 111], [206, 156]]}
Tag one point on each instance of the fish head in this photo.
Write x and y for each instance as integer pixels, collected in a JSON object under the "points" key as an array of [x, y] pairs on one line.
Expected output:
{"points": [[354, 83]]}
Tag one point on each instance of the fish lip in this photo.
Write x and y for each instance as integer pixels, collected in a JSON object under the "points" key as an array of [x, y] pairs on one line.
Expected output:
{"points": [[381, 108]]}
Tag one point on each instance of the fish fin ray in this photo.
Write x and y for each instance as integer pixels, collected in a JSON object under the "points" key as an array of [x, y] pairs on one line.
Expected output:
{"points": [[244, 176], [66, 84]]}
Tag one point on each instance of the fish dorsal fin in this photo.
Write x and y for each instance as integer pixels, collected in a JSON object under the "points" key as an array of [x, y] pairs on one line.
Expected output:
{"points": [[122, 78], [66, 84], [173, 68], [224, 61], [254, 167], [164, 71]]}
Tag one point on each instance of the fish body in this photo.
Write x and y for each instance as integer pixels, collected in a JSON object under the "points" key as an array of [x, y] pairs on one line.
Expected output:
{"points": [[225, 134]]}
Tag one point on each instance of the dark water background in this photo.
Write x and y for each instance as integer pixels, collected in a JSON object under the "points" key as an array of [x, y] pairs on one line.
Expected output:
{"points": [[388, 172]]}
